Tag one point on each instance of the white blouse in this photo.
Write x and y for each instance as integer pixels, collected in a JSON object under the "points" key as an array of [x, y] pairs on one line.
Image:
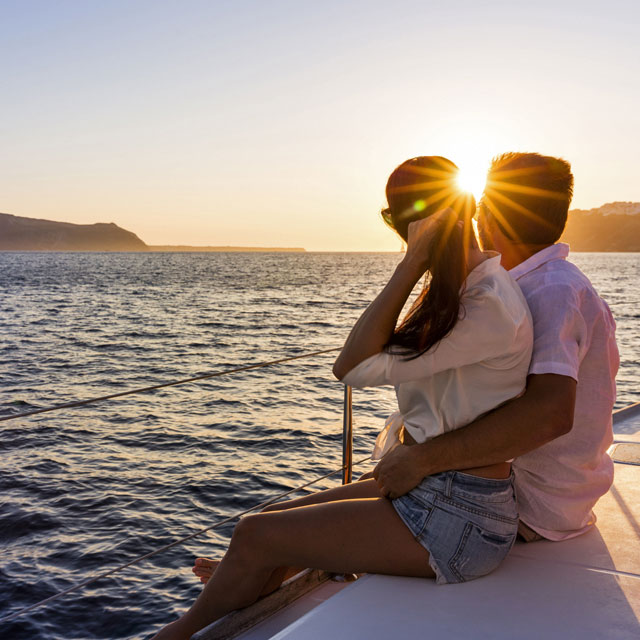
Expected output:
{"points": [[479, 365]]}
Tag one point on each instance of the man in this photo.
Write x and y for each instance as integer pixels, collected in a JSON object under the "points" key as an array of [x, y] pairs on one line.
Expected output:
{"points": [[558, 431]]}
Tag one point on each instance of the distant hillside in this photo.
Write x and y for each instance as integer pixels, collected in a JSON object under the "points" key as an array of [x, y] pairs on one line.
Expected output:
{"points": [[32, 234], [611, 227]]}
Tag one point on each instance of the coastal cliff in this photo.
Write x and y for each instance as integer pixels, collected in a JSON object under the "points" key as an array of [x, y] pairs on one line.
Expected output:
{"points": [[31, 234], [612, 227]]}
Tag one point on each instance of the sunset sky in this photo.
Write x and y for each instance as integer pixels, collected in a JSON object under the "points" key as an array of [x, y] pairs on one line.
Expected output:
{"points": [[277, 123]]}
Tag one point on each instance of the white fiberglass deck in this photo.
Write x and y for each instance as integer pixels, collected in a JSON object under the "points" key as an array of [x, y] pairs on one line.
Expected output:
{"points": [[587, 588]]}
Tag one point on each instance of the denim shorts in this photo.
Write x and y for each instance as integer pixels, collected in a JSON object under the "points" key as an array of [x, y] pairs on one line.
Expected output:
{"points": [[466, 523]]}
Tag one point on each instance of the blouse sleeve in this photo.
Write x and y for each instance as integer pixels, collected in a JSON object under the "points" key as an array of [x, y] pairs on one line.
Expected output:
{"points": [[487, 329]]}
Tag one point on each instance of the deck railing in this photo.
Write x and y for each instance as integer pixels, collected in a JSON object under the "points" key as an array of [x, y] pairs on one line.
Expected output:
{"points": [[347, 437]]}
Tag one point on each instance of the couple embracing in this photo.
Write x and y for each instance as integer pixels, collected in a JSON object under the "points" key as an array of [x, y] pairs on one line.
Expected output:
{"points": [[504, 370]]}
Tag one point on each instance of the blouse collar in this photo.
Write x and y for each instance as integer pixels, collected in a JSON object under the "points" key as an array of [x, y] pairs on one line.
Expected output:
{"points": [[485, 268]]}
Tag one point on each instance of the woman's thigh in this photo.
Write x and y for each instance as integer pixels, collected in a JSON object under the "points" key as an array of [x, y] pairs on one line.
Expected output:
{"points": [[353, 491], [347, 536]]}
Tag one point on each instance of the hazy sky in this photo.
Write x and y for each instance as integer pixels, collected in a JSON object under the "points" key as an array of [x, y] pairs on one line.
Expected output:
{"points": [[277, 123]]}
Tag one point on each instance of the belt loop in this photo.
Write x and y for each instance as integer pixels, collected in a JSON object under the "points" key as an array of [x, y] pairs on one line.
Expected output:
{"points": [[447, 490]]}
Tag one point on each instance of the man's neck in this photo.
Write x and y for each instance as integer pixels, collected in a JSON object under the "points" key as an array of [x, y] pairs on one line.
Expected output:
{"points": [[514, 253]]}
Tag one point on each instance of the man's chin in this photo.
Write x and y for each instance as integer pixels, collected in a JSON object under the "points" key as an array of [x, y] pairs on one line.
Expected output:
{"points": [[486, 244]]}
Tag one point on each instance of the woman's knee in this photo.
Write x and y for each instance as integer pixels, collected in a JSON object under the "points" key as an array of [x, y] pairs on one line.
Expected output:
{"points": [[250, 543], [246, 535]]}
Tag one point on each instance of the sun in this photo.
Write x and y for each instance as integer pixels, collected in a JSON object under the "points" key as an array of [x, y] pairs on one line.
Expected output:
{"points": [[472, 176]]}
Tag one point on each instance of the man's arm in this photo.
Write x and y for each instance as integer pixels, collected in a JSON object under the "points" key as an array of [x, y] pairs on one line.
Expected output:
{"points": [[543, 413]]}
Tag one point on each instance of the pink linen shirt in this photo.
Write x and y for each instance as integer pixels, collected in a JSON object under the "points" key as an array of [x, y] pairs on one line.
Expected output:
{"points": [[558, 484]]}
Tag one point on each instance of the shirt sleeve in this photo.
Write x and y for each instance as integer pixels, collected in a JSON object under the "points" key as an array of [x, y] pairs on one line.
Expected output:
{"points": [[484, 331], [560, 332]]}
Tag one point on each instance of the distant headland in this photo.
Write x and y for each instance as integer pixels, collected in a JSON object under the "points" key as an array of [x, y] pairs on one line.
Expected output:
{"points": [[32, 234], [612, 227]]}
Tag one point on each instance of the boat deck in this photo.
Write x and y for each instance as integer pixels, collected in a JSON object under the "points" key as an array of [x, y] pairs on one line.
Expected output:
{"points": [[587, 588]]}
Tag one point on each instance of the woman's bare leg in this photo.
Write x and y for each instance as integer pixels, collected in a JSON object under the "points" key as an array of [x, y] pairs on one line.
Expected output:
{"points": [[352, 491], [347, 536], [205, 567]]}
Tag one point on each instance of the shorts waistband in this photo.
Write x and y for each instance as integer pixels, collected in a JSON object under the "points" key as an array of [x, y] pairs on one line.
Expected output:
{"points": [[447, 480]]}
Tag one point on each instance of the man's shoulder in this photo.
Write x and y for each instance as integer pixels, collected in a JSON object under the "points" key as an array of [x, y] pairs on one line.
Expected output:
{"points": [[559, 290], [559, 276]]}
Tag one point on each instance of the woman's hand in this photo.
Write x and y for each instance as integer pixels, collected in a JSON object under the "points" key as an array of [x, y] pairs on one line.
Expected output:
{"points": [[420, 237]]}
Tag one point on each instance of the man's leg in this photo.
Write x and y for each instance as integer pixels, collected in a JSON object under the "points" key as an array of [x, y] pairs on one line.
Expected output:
{"points": [[527, 534]]}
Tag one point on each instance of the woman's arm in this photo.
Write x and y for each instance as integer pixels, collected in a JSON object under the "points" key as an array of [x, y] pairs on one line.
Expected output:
{"points": [[376, 325]]}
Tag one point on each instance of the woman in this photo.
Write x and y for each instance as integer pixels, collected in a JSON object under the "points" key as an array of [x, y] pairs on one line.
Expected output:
{"points": [[463, 349]]}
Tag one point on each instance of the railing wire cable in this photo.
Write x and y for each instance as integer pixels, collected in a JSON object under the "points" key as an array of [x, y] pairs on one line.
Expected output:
{"points": [[100, 576], [216, 374]]}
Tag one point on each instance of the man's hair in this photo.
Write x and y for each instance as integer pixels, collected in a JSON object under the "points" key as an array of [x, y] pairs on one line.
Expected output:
{"points": [[528, 196]]}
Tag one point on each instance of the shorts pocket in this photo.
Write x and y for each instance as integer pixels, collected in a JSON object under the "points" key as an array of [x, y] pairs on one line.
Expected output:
{"points": [[480, 552]]}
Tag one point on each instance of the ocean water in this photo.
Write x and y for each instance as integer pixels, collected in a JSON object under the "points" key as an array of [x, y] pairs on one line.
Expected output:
{"points": [[83, 490]]}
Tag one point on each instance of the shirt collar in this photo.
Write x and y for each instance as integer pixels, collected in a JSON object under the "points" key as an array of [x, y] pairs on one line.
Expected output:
{"points": [[558, 251]]}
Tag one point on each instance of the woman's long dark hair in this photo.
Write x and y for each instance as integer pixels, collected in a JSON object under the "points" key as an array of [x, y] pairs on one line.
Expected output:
{"points": [[417, 189]]}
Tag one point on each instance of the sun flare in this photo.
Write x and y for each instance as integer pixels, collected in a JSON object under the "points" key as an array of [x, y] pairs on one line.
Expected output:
{"points": [[472, 177]]}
